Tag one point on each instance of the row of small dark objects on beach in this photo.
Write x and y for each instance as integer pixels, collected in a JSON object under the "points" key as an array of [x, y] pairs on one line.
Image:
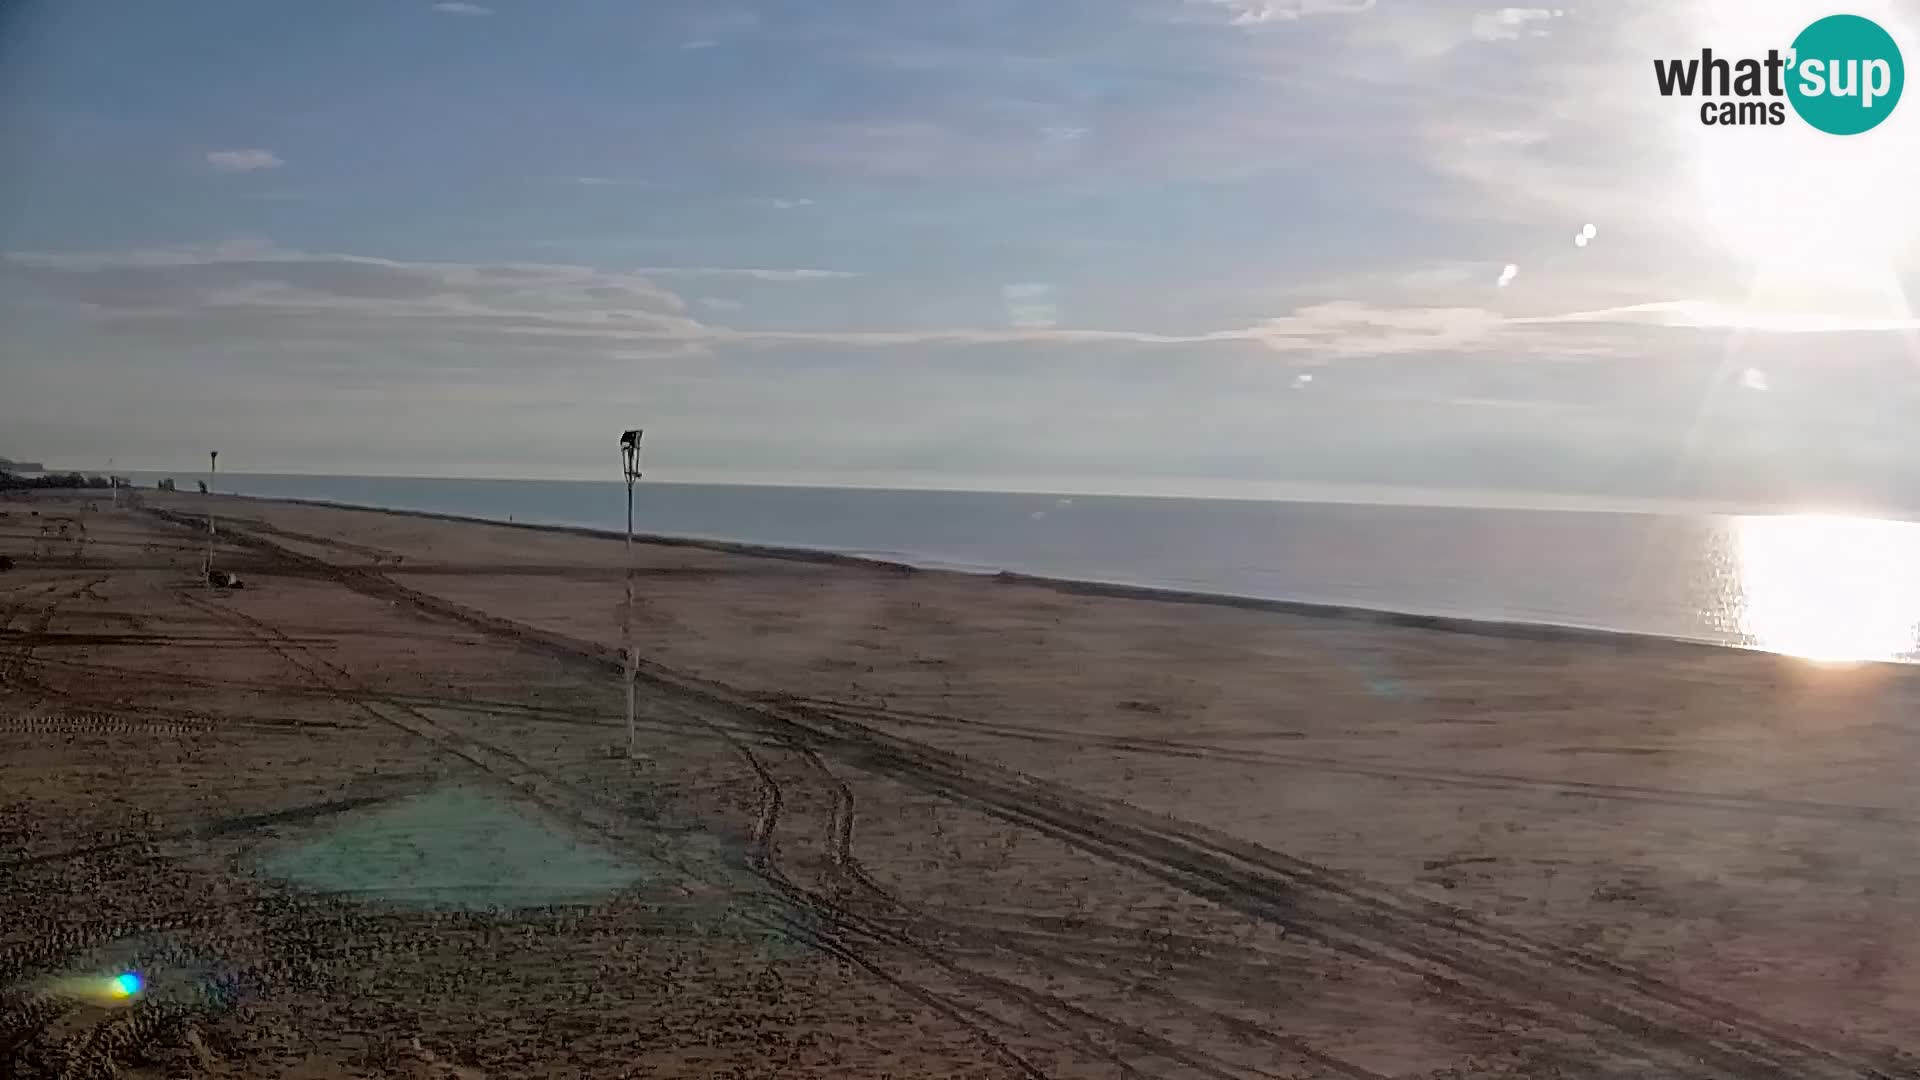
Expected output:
{"points": [[71, 530]]}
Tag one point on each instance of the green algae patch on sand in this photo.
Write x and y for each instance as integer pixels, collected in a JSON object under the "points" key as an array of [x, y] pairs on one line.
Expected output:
{"points": [[455, 848]]}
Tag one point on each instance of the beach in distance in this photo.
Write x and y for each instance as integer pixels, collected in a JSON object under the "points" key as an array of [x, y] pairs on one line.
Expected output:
{"points": [[879, 821]]}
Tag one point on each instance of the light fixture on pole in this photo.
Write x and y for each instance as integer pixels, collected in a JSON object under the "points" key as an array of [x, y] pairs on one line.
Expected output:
{"points": [[630, 468]]}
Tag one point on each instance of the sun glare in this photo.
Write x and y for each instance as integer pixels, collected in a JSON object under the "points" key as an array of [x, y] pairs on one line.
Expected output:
{"points": [[1819, 211], [1829, 588], [1832, 214]]}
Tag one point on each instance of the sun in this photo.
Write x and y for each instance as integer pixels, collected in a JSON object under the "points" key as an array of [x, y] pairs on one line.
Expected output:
{"points": [[1799, 202], [1820, 210]]}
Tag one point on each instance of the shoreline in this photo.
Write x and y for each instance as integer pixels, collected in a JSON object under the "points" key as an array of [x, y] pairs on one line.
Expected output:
{"points": [[1509, 629]]}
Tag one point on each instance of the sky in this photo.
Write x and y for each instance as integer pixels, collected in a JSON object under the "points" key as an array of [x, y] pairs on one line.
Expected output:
{"points": [[1126, 245]]}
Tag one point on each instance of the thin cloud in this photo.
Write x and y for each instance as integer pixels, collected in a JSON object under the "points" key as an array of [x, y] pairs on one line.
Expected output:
{"points": [[1030, 305], [1262, 12], [782, 204], [1711, 315], [251, 293], [754, 273], [717, 22], [255, 293], [239, 161], [247, 285], [258, 293], [1332, 330], [1510, 24], [459, 7]]}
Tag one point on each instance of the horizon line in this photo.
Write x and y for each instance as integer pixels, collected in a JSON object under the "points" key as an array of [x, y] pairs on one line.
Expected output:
{"points": [[1195, 489]]}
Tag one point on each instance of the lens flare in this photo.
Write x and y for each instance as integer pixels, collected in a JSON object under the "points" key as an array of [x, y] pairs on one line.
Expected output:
{"points": [[125, 985]]}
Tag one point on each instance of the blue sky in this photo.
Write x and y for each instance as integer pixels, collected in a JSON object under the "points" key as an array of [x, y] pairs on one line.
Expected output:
{"points": [[1150, 245]]}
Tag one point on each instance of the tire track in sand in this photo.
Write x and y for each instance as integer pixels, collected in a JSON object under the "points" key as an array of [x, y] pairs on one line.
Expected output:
{"points": [[1579, 993], [582, 809]]}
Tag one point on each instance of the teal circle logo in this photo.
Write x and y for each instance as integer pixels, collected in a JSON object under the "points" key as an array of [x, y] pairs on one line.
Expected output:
{"points": [[1846, 75]]}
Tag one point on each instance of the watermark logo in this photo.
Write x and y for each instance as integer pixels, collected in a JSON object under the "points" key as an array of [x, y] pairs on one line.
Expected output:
{"points": [[1850, 73], [1843, 75]]}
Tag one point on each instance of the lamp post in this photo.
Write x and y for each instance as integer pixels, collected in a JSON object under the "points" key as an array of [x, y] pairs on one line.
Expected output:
{"points": [[213, 467], [630, 469]]}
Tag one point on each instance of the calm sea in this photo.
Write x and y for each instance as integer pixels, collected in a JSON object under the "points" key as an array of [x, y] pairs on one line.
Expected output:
{"points": [[1830, 587]]}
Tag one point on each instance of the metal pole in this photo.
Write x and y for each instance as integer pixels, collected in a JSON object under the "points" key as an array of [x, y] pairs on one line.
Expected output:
{"points": [[630, 469], [633, 659], [213, 467]]}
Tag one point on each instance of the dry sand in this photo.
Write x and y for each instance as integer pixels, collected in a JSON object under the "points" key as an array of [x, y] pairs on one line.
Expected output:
{"points": [[372, 816]]}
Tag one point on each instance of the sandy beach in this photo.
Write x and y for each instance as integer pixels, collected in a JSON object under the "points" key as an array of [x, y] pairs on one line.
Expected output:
{"points": [[373, 815]]}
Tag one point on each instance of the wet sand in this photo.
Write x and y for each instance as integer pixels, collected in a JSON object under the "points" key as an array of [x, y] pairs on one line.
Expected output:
{"points": [[905, 823]]}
